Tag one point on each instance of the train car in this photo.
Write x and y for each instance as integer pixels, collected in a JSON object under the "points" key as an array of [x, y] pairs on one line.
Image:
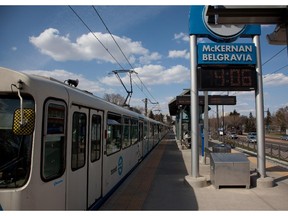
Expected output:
{"points": [[62, 148]]}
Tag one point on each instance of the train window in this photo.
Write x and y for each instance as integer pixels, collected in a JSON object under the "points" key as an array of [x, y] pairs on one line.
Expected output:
{"points": [[78, 140], [126, 133], [114, 133], [15, 150], [54, 140], [95, 138], [134, 131]]}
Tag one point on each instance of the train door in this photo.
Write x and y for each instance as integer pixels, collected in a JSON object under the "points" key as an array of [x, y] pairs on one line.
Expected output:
{"points": [[95, 156], [76, 194]]}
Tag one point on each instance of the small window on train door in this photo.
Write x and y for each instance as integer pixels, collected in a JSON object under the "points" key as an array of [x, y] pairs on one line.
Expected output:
{"points": [[126, 133], [141, 131], [114, 133], [134, 131], [54, 139], [145, 131], [78, 140], [95, 138]]}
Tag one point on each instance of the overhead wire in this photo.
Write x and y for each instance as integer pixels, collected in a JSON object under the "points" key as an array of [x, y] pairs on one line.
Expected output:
{"points": [[272, 57], [267, 75], [96, 11], [96, 37], [110, 52], [111, 35]]}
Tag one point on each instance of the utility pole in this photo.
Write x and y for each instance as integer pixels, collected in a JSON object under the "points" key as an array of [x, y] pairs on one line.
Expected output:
{"points": [[146, 102], [146, 111]]}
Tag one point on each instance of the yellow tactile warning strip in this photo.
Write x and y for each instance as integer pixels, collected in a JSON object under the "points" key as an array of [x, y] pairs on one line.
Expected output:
{"points": [[132, 197]]}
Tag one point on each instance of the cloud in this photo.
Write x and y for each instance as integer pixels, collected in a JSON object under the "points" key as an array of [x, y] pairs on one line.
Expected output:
{"points": [[275, 79], [62, 75], [181, 37], [147, 59], [87, 47], [14, 48], [153, 75], [179, 54]]}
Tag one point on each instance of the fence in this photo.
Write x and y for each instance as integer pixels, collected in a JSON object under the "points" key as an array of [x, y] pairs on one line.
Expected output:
{"points": [[273, 150]]}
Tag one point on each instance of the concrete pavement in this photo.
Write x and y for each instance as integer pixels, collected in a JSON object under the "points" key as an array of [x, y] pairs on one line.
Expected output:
{"points": [[158, 184], [229, 198]]}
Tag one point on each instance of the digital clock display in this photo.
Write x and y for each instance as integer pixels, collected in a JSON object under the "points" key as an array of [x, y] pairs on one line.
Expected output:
{"points": [[226, 79]]}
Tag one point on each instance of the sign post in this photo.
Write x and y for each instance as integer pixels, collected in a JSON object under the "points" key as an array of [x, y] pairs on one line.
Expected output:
{"points": [[263, 181], [230, 67], [194, 179], [206, 131], [194, 108]]}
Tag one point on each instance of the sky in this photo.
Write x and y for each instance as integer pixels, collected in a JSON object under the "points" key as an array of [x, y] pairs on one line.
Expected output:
{"points": [[53, 41]]}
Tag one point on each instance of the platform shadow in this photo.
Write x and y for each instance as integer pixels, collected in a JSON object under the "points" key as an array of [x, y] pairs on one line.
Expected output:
{"points": [[168, 190]]}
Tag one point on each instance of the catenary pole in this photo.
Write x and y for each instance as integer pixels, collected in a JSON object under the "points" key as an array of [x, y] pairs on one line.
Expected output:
{"points": [[259, 112], [194, 108], [206, 126]]}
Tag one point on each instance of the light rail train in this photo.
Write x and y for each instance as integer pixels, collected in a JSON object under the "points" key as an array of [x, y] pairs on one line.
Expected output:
{"points": [[62, 148]]}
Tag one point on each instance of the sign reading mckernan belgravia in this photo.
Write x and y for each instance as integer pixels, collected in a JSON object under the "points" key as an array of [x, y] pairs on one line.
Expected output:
{"points": [[227, 53]]}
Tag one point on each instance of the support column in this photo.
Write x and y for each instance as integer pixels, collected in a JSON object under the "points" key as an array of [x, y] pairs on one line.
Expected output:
{"points": [[206, 126], [263, 181], [180, 125], [194, 109], [194, 180]]}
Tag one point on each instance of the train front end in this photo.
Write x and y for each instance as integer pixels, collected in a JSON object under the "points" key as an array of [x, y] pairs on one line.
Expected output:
{"points": [[17, 121]]}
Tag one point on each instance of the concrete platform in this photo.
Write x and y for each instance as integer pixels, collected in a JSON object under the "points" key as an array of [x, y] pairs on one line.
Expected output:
{"points": [[158, 183]]}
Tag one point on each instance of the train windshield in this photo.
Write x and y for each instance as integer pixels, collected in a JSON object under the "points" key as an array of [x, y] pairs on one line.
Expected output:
{"points": [[15, 150]]}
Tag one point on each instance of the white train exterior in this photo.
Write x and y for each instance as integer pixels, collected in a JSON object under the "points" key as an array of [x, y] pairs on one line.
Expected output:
{"points": [[62, 148]]}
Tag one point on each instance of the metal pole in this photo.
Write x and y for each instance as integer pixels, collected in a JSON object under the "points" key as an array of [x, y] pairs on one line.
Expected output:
{"points": [[206, 131], [260, 111], [180, 125], [146, 110], [194, 108], [223, 126], [217, 113]]}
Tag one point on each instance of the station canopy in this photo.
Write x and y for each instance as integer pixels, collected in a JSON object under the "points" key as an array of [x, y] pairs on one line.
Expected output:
{"points": [[261, 14], [184, 100]]}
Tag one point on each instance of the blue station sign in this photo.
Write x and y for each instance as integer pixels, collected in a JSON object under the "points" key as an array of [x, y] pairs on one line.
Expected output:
{"points": [[198, 25], [227, 53]]}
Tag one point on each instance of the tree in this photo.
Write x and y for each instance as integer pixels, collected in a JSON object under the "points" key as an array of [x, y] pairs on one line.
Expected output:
{"points": [[281, 118], [250, 123], [151, 115], [159, 117], [235, 120], [234, 113], [268, 120], [114, 98]]}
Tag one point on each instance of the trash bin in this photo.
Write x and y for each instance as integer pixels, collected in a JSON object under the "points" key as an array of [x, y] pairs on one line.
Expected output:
{"points": [[229, 170], [221, 148]]}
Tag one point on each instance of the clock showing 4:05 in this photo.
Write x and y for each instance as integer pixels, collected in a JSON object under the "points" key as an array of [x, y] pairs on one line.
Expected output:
{"points": [[227, 79]]}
